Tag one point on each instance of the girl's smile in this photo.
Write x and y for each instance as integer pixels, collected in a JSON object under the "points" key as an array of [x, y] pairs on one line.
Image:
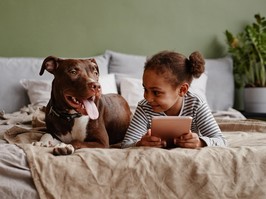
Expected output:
{"points": [[161, 94]]}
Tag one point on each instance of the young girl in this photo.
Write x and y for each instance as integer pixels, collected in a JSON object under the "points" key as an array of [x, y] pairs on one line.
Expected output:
{"points": [[166, 80]]}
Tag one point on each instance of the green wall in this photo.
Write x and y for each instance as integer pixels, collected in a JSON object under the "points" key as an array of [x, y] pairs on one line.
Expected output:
{"points": [[79, 28]]}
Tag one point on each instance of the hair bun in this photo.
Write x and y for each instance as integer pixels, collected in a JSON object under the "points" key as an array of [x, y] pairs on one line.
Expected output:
{"points": [[196, 64]]}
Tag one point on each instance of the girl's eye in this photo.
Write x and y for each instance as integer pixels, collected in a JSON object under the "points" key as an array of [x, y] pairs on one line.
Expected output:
{"points": [[156, 93]]}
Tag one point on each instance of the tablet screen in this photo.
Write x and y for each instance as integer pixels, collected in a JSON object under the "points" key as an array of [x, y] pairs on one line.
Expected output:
{"points": [[167, 127]]}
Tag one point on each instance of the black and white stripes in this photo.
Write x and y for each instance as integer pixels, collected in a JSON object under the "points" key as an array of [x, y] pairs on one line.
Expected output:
{"points": [[203, 122]]}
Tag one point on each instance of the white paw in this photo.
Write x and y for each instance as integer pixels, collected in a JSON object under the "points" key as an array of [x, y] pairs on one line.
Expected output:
{"points": [[43, 144], [46, 140], [63, 149]]}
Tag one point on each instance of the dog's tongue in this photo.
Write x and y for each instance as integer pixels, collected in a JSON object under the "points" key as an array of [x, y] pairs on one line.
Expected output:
{"points": [[91, 109]]}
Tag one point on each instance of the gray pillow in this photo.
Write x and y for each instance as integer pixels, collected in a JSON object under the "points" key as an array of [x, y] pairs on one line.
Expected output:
{"points": [[13, 96], [125, 65], [220, 83]]}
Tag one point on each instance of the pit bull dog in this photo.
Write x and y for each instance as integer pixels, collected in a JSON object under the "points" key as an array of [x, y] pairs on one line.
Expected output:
{"points": [[78, 114]]}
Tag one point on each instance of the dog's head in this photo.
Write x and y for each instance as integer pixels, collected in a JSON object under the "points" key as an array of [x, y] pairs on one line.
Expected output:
{"points": [[75, 85]]}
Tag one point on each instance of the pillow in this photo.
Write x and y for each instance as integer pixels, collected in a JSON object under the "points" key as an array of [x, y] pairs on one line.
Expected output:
{"points": [[119, 77], [39, 91], [125, 65], [132, 89], [220, 86], [102, 61], [108, 83], [198, 86]]}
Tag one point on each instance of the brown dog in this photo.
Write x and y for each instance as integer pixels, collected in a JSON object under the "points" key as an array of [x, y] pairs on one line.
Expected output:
{"points": [[77, 113]]}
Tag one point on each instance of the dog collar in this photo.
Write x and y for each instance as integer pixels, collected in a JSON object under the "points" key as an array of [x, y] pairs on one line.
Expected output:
{"points": [[63, 115]]}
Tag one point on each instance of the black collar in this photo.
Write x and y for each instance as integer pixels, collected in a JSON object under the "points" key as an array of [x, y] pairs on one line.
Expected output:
{"points": [[64, 115]]}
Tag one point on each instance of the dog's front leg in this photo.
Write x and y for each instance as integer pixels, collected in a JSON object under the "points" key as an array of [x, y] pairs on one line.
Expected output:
{"points": [[96, 138], [79, 144], [46, 140], [68, 149], [60, 148]]}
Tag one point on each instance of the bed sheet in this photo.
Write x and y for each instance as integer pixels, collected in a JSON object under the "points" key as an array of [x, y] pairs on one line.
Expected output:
{"points": [[236, 171]]}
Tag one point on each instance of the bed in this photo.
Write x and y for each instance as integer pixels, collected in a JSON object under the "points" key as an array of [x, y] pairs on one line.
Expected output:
{"points": [[27, 171]]}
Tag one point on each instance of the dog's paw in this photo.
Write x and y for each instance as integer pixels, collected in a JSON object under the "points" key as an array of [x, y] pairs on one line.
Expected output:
{"points": [[46, 141], [42, 144], [63, 149]]}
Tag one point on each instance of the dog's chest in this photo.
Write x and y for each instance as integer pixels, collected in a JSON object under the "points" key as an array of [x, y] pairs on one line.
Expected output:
{"points": [[78, 132]]}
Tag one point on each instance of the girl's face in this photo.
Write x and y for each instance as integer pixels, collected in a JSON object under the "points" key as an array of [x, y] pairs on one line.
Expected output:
{"points": [[161, 95]]}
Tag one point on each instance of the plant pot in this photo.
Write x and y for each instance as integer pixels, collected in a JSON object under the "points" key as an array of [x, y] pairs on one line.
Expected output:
{"points": [[239, 99], [255, 100]]}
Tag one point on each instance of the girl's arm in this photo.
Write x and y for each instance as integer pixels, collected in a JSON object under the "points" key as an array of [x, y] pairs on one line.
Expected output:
{"points": [[137, 128], [210, 132]]}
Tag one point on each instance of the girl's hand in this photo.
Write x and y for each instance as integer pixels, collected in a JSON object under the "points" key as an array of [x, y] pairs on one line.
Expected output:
{"points": [[189, 140], [151, 141]]}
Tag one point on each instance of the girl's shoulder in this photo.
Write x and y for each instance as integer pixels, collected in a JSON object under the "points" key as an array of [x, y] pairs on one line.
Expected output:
{"points": [[195, 101], [143, 105], [143, 102], [146, 108]]}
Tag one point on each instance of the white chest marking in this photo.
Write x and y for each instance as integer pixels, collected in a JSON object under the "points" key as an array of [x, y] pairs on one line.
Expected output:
{"points": [[78, 130], [80, 127]]}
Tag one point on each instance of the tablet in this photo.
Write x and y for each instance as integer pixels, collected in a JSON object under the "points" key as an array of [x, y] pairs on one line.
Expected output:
{"points": [[168, 127]]}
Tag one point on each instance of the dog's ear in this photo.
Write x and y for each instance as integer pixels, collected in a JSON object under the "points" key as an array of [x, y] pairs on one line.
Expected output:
{"points": [[50, 64]]}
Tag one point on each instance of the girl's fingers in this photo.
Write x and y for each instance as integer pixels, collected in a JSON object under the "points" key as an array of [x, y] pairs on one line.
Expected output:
{"points": [[189, 140], [148, 132]]}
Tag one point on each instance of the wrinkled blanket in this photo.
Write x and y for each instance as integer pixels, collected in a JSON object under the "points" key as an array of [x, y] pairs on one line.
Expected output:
{"points": [[150, 173], [236, 171]]}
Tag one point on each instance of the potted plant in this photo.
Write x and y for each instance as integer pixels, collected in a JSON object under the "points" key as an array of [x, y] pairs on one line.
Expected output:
{"points": [[248, 50]]}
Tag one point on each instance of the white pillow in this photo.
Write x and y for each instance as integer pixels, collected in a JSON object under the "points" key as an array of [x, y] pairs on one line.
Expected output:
{"points": [[102, 61], [198, 86], [132, 89], [39, 91], [108, 83]]}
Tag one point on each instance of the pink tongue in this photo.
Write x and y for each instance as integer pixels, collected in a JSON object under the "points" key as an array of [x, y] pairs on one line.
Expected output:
{"points": [[91, 109]]}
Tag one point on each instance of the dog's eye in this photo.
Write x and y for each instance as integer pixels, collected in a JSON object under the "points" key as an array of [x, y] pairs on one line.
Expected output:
{"points": [[96, 72], [73, 71]]}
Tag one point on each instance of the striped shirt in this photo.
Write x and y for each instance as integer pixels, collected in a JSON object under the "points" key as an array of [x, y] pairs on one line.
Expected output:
{"points": [[203, 122]]}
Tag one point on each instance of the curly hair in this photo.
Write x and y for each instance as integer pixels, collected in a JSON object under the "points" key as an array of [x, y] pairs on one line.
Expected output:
{"points": [[175, 67]]}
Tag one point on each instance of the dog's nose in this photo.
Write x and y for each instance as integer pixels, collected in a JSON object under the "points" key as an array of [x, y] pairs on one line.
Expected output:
{"points": [[95, 86]]}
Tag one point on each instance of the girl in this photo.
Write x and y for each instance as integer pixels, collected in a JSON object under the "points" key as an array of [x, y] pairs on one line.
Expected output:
{"points": [[166, 80]]}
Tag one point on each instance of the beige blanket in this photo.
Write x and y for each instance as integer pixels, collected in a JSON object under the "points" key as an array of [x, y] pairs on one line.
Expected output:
{"points": [[237, 171]]}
